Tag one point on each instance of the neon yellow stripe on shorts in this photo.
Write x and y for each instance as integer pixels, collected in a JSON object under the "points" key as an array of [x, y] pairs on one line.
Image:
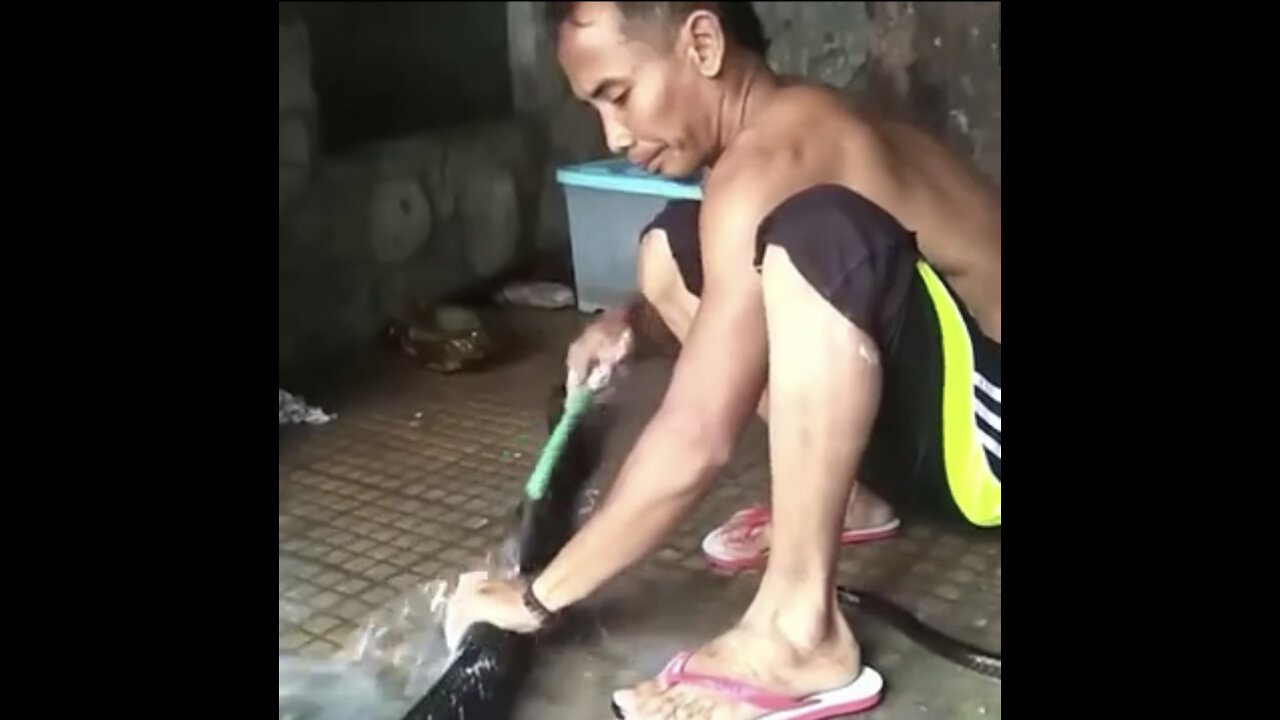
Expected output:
{"points": [[973, 486]]}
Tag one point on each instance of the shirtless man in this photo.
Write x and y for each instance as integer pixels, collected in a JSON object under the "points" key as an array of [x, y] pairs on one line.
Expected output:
{"points": [[800, 268]]}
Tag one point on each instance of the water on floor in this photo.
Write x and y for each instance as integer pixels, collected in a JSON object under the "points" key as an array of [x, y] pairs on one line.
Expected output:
{"points": [[417, 478]]}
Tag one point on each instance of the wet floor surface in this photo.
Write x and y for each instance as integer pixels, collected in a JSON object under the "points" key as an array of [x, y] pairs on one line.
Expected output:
{"points": [[417, 478]]}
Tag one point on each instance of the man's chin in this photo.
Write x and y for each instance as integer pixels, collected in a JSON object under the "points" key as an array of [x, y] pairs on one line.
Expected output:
{"points": [[679, 174]]}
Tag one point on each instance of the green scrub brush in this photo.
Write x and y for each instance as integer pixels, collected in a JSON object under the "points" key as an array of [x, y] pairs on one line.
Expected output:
{"points": [[575, 407], [542, 519]]}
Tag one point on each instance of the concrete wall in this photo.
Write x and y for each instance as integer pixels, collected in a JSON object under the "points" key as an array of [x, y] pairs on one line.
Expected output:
{"points": [[401, 211], [411, 216], [299, 111], [406, 220], [936, 63], [388, 69], [823, 41]]}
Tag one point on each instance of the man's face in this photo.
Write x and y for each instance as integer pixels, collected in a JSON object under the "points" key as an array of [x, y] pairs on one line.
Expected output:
{"points": [[654, 104]]}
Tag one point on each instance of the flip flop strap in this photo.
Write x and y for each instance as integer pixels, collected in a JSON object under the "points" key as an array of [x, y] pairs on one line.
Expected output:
{"points": [[675, 673], [748, 522]]}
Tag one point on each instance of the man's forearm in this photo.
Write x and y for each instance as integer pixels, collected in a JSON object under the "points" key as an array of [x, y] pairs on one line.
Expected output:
{"points": [[649, 498]]}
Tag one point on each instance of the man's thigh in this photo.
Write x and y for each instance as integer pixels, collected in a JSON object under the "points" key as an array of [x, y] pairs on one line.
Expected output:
{"points": [[937, 438], [937, 435]]}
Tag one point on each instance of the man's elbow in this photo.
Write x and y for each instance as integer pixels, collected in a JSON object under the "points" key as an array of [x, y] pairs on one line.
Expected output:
{"points": [[713, 451]]}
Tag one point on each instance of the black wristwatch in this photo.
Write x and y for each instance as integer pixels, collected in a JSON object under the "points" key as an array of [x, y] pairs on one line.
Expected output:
{"points": [[535, 606]]}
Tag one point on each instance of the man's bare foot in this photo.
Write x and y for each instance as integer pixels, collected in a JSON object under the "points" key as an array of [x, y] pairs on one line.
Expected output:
{"points": [[743, 541], [764, 660], [866, 510]]}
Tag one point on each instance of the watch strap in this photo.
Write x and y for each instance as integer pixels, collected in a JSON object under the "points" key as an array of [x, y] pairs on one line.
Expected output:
{"points": [[535, 606]]}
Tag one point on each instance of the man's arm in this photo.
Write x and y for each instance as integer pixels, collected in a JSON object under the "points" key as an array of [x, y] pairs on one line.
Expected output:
{"points": [[716, 386]]}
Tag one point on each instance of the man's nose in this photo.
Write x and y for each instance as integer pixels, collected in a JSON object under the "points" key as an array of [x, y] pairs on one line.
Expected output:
{"points": [[618, 138]]}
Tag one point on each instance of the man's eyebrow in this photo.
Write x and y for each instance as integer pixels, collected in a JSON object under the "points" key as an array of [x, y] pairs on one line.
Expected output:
{"points": [[604, 86]]}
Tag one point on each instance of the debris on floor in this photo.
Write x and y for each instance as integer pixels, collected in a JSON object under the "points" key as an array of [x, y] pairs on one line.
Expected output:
{"points": [[544, 295], [446, 339], [295, 411]]}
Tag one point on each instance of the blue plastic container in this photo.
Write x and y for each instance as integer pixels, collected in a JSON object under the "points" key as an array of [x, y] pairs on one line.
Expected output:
{"points": [[609, 202]]}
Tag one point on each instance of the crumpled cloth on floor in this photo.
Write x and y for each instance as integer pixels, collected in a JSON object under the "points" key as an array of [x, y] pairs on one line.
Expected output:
{"points": [[295, 411]]}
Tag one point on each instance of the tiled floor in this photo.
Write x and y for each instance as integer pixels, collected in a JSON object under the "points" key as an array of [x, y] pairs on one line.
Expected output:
{"points": [[418, 475]]}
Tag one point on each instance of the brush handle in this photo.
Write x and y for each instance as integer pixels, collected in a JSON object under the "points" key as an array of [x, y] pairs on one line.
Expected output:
{"points": [[575, 406]]}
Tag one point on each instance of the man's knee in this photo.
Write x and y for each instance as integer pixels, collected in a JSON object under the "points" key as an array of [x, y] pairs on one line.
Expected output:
{"points": [[849, 251], [670, 257], [657, 274]]}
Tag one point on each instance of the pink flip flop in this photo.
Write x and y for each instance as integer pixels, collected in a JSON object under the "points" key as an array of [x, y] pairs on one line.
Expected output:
{"points": [[860, 694], [739, 543]]}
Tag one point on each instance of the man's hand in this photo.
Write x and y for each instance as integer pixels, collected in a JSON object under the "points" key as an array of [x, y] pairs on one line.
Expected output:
{"points": [[597, 353], [479, 599]]}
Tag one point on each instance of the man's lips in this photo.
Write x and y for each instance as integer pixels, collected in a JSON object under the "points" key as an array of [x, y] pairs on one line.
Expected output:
{"points": [[646, 161]]}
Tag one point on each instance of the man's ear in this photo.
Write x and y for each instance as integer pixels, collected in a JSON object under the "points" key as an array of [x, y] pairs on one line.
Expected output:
{"points": [[706, 42]]}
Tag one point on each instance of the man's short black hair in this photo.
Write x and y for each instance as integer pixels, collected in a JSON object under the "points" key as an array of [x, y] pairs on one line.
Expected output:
{"points": [[739, 20]]}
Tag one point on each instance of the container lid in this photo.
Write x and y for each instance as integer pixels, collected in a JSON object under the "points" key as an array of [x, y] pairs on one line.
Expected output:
{"points": [[618, 175]]}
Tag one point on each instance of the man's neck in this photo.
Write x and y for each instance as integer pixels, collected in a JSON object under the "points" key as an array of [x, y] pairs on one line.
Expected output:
{"points": [[749, 84]]}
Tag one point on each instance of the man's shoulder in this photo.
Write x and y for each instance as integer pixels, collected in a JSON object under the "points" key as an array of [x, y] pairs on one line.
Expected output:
{"points": [[746, 184], [806, 135], [760, 163], [741, 168], [799, 111]]}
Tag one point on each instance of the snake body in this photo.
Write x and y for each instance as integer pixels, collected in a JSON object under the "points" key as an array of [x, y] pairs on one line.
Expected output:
{"points": [[968, 656], [486, 677]]}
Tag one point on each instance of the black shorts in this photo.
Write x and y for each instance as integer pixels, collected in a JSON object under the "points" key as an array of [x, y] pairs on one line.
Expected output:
{"points": [[938, 431]]}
